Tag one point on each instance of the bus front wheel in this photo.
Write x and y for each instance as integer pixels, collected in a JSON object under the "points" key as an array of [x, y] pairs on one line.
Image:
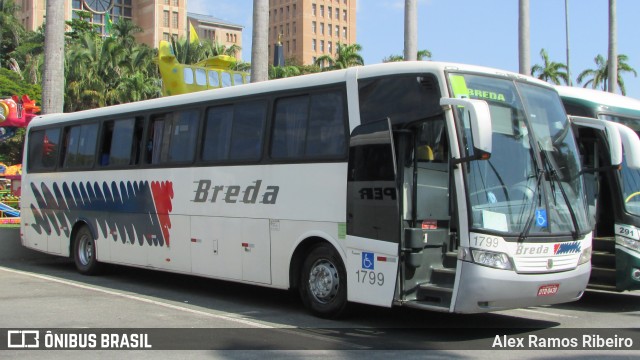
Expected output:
{"points": [[323, 284], [84, 252]]}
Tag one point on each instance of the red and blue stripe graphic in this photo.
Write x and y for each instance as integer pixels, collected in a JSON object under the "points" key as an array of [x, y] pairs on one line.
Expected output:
{"points": [[131, 211], [567, 248]]}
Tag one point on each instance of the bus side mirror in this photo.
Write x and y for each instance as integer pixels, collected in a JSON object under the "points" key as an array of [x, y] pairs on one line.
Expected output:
{"points": [[479, 121], [631, 145], [618, 137]]}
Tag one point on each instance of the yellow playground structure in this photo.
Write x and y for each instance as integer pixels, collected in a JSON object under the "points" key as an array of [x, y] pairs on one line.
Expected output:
{"points": [[212, 73]]}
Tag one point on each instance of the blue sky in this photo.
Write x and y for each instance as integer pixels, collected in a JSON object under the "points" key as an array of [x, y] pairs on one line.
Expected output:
{"points": [[478, 32]]}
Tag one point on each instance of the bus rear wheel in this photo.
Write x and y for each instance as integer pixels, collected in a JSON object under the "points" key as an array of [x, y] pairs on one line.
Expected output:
{"points": [[323, 284], [84, 252]]}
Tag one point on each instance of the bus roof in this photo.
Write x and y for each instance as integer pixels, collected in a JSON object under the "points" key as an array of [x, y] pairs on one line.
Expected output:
{"points": [[301, 82], [609, 102]]}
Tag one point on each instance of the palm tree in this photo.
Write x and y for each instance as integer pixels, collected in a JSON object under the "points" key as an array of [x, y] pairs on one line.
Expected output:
{"points": [[53, 73], [550, 71], [125, 30], [598, 76], [259, 45], [86, 88], [214, 48], [612, 72], [421, 55], [410, 29], [137, 87], [346, 56]]}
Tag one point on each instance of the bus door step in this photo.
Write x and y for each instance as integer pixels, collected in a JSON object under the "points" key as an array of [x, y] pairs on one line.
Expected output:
{"points": [[438, 295]]}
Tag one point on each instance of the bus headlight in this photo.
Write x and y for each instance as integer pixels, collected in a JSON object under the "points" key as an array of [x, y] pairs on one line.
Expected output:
{"points": [[585, 256], [626, 242], [492, 259]]}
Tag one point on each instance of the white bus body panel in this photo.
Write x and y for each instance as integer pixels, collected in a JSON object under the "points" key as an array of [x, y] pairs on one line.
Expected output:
{"points": [[364, 258], [218, 236]]}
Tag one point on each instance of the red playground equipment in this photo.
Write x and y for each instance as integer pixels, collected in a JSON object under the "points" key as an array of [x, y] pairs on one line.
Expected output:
{"points": [[16, 113]]}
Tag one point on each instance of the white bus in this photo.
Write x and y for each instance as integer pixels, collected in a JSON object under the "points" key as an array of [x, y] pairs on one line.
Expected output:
{"points": [[613, 185], [437, 186]]}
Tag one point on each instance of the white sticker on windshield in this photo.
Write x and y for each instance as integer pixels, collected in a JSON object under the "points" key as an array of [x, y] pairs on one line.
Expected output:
{"points": [[494, 221]]}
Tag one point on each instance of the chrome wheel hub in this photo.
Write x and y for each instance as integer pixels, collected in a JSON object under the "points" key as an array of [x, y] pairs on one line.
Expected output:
{"points": [[323, 281]]}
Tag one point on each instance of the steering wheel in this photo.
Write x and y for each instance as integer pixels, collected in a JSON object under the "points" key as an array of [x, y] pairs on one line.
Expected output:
{"points": [[487, 191], [631, 196], [523, 188]]}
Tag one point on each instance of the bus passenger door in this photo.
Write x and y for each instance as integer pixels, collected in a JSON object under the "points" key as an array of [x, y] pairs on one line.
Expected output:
{"points": [[373, 216]]}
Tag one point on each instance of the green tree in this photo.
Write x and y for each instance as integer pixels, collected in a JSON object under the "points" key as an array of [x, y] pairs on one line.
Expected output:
{"points": [[137, 87], [11, 149], [12, 84], [212, 48], [80, 26], [278, 72], [346, 56], [597, 78], [550, 71], [124, 31], [11, 30], [30, 55]]}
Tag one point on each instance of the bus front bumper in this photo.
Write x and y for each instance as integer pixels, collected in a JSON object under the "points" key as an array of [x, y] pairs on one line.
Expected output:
{"points": [[483, 289]]}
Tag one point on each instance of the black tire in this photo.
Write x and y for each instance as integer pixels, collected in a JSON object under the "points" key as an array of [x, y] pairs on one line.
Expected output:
{"points": [[323, 282], [84, 252]]}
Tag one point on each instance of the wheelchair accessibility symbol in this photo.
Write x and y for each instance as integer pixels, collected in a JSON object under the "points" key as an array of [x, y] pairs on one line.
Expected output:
{"points": [[541, 218], [367, 261]]}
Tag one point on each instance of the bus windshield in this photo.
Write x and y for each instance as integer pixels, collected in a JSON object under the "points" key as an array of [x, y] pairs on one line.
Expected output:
{"points": [[540, 193], [630, 177]]}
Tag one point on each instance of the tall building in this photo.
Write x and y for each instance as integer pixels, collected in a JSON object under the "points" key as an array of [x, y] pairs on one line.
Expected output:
{"points": [[218, 30], [309, 29], [159, 19]]}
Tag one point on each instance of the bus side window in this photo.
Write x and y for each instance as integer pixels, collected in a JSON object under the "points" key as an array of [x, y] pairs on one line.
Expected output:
{"points": [[237, 79], [309, 126], [43, 149], [120, 142], [214, 78], [226, 79], [201, 77], [172, 137], [105, 143], [217, 134], [188, 75], [247, 135], [79, 146], [154, 139], [182, 139], [290, 127], [326, 134]]}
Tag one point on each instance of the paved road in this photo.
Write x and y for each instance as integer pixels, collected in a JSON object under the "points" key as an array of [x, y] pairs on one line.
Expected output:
{"points": [[46, 293]]}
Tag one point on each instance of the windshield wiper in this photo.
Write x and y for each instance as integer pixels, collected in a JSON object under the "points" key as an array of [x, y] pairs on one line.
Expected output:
{"points": [[553, 176]]}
